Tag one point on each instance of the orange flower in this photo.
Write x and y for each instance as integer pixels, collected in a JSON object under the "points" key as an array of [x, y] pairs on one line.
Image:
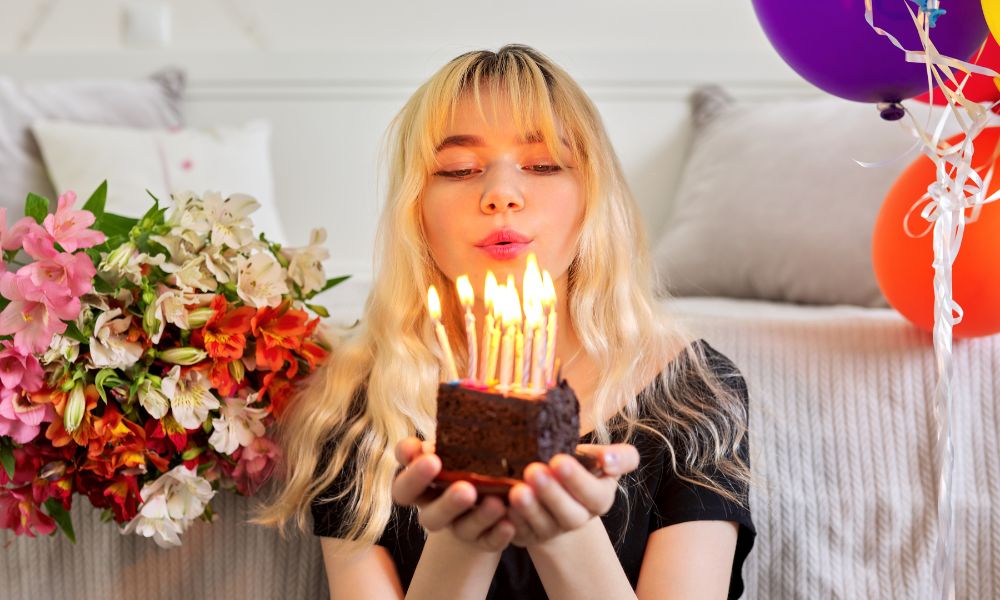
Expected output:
{"points": [[224, 334], [81, 435], [278, 331], [279, 391]]}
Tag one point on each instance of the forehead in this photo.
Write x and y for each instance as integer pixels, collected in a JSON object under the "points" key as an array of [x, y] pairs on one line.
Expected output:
{"points": [[477, 125]]}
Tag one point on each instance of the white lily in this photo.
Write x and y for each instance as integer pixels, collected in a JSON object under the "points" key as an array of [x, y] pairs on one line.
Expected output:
{"points": [[170, 504], [63, 348], [190, 396], [229, 218], [152, 398], [261, 281], [238, 424], [305, 265], [108, 346], [193, 275]]}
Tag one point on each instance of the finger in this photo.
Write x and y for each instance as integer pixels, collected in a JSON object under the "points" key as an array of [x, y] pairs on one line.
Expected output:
{"points": [[499, 536], [411, 482], [523, 534], [407, 449], [473, 525], [595, 494], [440, 513], [556, 500], [526, 504], [615, 459]]}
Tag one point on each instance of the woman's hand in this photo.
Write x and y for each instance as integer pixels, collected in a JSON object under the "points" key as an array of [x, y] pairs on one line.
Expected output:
{"points": [[563, 495], [455, 510]]}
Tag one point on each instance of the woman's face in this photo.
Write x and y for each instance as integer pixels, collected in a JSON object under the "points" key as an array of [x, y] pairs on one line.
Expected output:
{"points": [[495, 197]]}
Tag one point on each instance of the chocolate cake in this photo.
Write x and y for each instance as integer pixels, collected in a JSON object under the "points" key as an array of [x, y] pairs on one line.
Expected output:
{"points": [[488, 437]]}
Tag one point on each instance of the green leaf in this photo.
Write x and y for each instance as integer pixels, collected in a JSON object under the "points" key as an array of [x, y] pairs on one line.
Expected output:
{"points": [[106, 377], [97, 200], [73, 332], [7, 458], [329, 284], [61, 516], [36, 207], [102, 286], [113, 225], [106, 515], [319, 310]]}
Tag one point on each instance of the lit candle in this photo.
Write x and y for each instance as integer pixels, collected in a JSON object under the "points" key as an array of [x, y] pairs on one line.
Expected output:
{"points": [[549, 300], [533, 319], [434, 305], [507, 343], [468, 298], [498, 301], [519, 349], [489, 297]]}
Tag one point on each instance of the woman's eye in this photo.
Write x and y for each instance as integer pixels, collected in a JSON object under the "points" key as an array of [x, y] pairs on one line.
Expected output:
{"points": [[458, 174], [545, 168]]}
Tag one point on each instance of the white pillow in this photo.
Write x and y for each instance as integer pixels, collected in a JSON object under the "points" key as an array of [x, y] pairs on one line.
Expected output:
{"points": [[771, 204], [153, 101], [227, 160]]}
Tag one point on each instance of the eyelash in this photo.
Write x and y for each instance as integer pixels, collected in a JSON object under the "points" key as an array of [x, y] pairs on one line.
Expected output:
{"points": [[549, 169]]}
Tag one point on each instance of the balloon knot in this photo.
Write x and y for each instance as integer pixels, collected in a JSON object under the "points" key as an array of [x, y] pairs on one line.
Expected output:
{"points": [[931, 8], [891, 111]]}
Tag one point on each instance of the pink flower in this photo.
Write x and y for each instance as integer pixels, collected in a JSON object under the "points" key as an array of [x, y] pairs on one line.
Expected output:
{"points": [[19, 369], [11, 239], [70, 228], [255, 465], [60, 279], [67, 227], [19, 512], [21, 419], [29, 320]]}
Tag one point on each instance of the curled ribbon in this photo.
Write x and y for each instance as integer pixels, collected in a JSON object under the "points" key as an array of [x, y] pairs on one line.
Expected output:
{"points": [[958, 187]]}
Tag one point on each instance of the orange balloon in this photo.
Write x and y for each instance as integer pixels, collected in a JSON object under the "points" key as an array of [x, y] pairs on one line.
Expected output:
{"points": [[904, 265]]}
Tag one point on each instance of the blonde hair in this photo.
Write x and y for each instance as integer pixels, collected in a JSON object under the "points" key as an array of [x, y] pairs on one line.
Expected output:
{"points": [[379, 385]]}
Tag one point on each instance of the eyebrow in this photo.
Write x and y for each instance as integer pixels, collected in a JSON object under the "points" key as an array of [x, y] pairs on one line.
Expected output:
{"points": [[474, 141]]}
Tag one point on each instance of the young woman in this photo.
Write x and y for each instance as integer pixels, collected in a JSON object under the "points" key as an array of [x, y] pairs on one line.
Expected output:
{"points": [[497, 155]]}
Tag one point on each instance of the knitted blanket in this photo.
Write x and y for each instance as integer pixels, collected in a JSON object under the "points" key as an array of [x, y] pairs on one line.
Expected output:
{"points": [[842, 439]]}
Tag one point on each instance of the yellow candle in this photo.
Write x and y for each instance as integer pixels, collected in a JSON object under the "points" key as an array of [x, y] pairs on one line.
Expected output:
{"points": [[511, 320], [533, 288], [549, 300], [488, 298], [468, 298], [434, 304], [519, 348]]}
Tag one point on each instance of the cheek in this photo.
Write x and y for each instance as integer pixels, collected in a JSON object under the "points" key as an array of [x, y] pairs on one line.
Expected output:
{"points": [[439, 229]]}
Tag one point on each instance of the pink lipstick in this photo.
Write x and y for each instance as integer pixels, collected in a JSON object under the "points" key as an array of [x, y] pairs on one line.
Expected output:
{"points": [[504, 244]]}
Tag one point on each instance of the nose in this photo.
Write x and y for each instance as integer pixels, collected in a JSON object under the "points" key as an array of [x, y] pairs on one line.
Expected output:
{"points": [[501, 193]]}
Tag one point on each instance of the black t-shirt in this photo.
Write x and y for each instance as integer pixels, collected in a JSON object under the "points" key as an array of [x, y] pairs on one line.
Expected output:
{"points": [[656, 498]]}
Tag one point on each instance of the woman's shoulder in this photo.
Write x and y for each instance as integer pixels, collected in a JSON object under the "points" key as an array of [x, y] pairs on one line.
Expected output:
{"points": [[681, 370]]}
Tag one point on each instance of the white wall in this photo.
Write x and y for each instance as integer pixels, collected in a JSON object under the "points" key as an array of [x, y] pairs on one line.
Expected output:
{"points": [[330, 75]]}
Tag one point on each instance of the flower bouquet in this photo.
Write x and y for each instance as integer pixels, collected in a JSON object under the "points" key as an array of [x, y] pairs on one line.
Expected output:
{"points": [[143, 361]]}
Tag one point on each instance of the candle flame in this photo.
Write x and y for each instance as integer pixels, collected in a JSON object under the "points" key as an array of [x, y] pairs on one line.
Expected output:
{"points": [[548, 291], [490, 293], [465, 293], [513, 307], [434, 303], [533, 293]]}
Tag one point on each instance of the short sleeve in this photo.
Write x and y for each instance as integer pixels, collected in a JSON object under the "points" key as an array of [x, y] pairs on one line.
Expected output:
{"points": [[678, 501]]}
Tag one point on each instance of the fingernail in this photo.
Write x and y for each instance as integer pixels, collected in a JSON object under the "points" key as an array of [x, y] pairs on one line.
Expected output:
{"points": [[610, 459], [539, 478]]}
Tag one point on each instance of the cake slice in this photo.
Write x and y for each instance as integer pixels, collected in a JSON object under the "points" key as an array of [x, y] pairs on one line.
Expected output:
{"points": [[488, 437]]}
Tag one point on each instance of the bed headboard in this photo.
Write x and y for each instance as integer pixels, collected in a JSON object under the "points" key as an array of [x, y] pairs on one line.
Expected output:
{"points": [[329, 112]]}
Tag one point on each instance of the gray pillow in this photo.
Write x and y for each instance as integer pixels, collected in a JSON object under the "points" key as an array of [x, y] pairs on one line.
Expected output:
{"points": [[150, 102], [771, 204]]}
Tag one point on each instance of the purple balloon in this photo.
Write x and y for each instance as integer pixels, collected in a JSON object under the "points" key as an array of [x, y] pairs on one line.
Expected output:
{"points": [[829, 43]]}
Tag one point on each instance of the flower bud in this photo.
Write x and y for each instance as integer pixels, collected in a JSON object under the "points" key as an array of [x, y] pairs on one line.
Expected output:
{"points": [[53, 471], [192, 452], [199, 316], [150, 324], [185, 356], [237, 370], [75, 406]]}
